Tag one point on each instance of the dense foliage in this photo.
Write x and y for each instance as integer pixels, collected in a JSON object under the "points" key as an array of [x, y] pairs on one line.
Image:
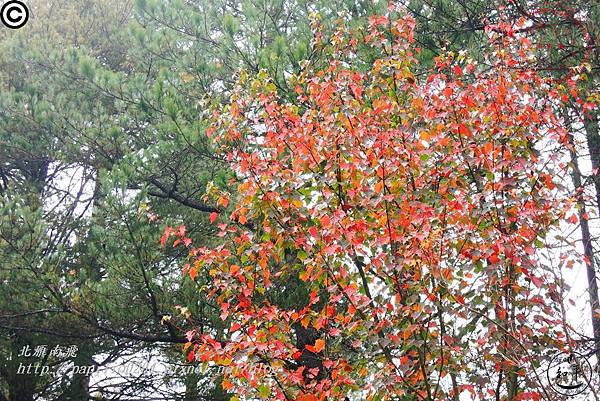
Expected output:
{"points": [[368, 196], [385, 225]]}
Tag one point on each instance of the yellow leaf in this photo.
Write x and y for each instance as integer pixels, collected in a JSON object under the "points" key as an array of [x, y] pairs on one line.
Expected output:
{"points": [[225, 362]]}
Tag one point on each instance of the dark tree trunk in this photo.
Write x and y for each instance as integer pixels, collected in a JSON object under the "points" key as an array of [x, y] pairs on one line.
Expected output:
{"points": [[593, 142]]}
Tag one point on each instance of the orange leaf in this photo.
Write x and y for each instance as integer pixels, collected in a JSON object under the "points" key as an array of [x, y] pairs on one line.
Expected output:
{"points": [[223, 201], [319, 345], [307, 397]]}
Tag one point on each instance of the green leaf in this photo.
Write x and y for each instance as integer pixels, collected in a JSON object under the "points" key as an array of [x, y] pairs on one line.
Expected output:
{"points": [[264, 391]]}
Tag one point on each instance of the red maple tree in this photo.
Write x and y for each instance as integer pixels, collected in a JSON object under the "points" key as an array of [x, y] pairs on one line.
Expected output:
{"points": [[384, 227]]}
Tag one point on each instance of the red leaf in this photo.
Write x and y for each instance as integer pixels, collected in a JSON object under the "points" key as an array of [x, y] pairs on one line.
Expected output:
{"points": [[224, 310], [463, 130], [213, 216], [166, 235], [537, 281], [356, 90], [494, 258]]}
